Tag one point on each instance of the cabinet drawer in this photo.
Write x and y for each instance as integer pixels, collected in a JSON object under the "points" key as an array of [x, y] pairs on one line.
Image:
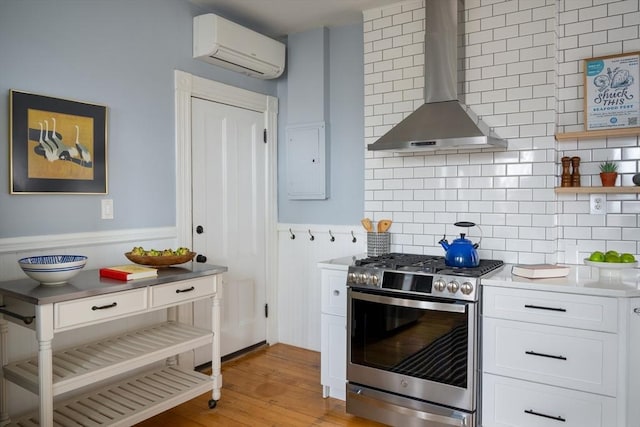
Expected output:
{"points": [[94, 309], [551, 308], [514, 403], [173, 293], [573, 358], [334, 292]]}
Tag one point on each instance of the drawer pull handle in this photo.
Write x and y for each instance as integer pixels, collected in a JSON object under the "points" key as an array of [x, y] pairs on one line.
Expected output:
{"points": [[538, 414], [336, 292], [550, 356], [178, 291], [27, 320], [103, 307], [539, 307]]}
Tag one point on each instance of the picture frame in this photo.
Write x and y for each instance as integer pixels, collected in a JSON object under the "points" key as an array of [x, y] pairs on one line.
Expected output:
{"points": [[56, 146], [612, 91]]}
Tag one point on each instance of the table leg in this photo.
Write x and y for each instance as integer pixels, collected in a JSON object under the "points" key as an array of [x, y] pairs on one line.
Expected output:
{"points": [[44, 334], [216, 375], [172, 317]]}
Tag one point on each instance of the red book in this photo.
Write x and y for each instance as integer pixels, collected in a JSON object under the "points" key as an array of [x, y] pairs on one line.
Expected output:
{"points": [[128, 272]]}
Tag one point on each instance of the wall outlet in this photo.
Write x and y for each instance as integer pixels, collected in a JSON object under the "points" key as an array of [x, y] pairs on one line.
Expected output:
{"points": [[598, 204], [107, 208]]}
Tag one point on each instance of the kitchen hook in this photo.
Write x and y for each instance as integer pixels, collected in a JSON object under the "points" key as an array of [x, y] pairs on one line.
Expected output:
{"points": [[333, 239], [312, 238], [293, 236], [354, 237]]}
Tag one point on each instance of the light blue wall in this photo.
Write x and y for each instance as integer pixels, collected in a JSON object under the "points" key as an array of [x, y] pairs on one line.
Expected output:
{"points": [[344, 116], [122, 54], [118, 53]]}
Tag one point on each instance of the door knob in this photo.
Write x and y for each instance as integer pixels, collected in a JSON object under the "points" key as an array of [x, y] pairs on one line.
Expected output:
{"points": [[199, 229], [201, 258]]}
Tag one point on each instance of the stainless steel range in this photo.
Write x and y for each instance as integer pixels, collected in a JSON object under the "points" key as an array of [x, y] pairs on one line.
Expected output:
{"points": [[412, 351]]}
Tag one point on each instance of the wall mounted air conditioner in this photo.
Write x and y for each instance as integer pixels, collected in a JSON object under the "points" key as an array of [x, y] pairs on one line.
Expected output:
{"points": [[221, 42]]}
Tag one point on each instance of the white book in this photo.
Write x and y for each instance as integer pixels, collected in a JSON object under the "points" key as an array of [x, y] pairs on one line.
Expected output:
{"points": [[540, 271]]}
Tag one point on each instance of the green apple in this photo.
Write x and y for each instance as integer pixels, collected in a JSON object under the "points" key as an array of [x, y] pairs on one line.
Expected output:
{"points": [[627, 258], [613, 257], [597, 256]]}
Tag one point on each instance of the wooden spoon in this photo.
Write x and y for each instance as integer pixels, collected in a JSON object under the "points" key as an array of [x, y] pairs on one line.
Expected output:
{"points": [[367, 224], [384, 225]]}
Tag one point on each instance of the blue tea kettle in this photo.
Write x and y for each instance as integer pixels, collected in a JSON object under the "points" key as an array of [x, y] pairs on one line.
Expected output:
{"points": [[461, 252]]}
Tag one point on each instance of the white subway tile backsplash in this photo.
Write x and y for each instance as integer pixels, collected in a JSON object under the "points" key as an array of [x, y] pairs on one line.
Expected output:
{"points": [[523, 74], [627, 33], [622, 7], [630, 19]]}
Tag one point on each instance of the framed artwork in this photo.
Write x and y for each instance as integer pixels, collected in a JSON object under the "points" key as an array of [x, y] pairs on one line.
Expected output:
{"points": [[56, 145], [611, 91]]}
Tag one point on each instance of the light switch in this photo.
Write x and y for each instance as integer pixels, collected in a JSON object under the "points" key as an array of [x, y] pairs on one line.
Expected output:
{"points": [[107, 208]]}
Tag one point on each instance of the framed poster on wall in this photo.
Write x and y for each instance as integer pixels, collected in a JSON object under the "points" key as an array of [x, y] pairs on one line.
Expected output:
{"points": [[56, 145], [612, 92]]}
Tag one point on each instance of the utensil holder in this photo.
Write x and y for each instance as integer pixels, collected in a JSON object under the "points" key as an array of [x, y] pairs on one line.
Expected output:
{"points": [[378, 243]]}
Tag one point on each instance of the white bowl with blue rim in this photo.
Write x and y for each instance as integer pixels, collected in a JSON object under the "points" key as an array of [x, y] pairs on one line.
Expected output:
{"points": [[52, 269]]}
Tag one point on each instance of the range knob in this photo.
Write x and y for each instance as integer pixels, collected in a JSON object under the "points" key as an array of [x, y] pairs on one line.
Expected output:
{"points": [[352, 277], [440, 285], [362, 278], [453, 286], [373, 280], [466, 288]]}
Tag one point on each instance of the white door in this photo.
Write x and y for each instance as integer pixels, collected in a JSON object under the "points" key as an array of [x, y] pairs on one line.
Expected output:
{"points": [[229, 187]]}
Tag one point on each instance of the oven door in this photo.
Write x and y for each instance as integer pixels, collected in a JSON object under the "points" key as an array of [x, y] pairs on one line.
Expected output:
{"points": [[418, 347]]}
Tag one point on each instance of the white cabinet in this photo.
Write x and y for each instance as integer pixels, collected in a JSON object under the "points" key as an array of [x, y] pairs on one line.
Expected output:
{"points": [[513, 402], [333, 347], [553, 358], [151, 389]]}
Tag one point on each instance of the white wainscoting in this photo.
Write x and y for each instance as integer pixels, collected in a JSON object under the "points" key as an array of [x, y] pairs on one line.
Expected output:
{"points": [[298, 300]]}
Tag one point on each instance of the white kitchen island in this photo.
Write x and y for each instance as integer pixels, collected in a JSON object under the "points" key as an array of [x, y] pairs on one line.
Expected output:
{"points": [[87, 300], [561, 351]]}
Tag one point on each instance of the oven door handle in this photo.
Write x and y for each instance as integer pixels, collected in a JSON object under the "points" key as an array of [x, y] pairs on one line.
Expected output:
{"points": [[410, 303], [441, 420]]}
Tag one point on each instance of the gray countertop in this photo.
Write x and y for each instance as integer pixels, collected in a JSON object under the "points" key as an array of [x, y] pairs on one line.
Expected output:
{"points": [[89, 283]]}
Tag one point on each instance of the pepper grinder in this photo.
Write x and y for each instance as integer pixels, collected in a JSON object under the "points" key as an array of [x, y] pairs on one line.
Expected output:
{"points": [[566, 174], [575, 175]]}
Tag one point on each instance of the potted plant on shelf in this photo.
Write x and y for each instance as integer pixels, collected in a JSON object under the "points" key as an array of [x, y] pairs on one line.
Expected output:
{"points": [[608, 173]]}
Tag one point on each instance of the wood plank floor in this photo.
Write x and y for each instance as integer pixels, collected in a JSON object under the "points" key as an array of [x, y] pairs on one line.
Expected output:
{"points": [[272, 386]]}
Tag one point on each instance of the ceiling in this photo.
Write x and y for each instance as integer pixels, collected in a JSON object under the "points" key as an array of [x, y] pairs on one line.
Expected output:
{"points": [[278, 18]]}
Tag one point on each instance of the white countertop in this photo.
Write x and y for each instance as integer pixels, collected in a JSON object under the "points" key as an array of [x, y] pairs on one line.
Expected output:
{"points": [[582, 279], [340, 263]]}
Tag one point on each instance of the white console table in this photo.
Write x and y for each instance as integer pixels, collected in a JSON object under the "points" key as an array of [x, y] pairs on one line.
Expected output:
{"points": [[87, 300]]}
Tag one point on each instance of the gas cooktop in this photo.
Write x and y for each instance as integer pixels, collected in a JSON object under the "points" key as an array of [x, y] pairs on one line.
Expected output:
{"points": [[427, 264], [419, 274]]}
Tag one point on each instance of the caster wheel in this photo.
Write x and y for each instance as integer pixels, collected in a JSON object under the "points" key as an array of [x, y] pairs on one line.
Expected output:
{"points": [[213, 403]]}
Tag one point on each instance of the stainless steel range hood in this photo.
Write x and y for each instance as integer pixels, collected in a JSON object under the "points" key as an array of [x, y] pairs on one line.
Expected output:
{"points": [[442, 122]]}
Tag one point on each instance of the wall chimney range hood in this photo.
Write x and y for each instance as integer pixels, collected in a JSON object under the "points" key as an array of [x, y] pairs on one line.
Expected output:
{"points": [[442, 122]]}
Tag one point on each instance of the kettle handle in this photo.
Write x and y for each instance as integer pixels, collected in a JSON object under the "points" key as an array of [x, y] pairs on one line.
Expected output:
{"points": [[465, 224], [470, 224]]}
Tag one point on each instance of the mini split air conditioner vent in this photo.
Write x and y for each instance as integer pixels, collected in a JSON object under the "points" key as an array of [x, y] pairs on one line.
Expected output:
{"points": [[221, 42]]}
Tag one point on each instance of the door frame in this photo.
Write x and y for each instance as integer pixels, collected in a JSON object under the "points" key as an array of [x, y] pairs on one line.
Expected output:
{"points": [[188, 86]]}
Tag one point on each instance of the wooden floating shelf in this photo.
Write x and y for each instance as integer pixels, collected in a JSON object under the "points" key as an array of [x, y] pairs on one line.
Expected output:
{"points": [[588, 190], [593, 134]]}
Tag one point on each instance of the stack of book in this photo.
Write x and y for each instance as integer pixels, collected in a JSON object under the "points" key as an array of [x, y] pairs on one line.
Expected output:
{"points": [[128, 272], [540, 271]]}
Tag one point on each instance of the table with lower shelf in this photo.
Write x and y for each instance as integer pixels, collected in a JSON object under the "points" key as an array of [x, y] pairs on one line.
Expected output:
{"points": [[87, 300]]}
